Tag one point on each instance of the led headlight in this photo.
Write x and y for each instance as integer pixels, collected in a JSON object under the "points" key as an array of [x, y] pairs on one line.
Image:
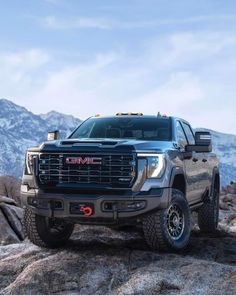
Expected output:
{"points": [[155, 164], [29, 162]]}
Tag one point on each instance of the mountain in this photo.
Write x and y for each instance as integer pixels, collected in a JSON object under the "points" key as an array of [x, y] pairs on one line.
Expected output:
{"points": [[20, 129], [58, 121], [224, 145]]}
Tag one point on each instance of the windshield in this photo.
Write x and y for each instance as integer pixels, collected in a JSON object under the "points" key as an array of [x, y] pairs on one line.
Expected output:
{"points": [[137, 128]]}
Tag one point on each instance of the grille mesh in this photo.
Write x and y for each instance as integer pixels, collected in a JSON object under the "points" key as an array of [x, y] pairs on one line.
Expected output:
{"points": [[114, 169]]}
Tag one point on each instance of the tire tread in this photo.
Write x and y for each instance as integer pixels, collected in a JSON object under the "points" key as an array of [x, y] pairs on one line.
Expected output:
{"points": [[154, 231], [30, 228]]}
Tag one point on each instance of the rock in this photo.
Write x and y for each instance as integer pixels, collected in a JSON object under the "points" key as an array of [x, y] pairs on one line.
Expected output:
{"points": [[228, 200], [224, 206], [231, 189], [228, 212], [100, 260], [10, 187], [10, 221], [228, 222]]}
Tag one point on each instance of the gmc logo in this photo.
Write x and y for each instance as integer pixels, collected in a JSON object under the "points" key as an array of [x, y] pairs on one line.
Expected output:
{"points": [[84, 161]]}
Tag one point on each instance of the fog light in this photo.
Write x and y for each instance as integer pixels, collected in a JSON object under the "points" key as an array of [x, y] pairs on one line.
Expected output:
{"points": [[123, 206], [38, 203], [32, 201], [24, 188], [130, 205], [135, 205]]}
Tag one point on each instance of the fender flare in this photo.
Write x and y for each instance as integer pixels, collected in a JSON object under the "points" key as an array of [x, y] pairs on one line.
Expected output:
{"points": [[174, 172]]}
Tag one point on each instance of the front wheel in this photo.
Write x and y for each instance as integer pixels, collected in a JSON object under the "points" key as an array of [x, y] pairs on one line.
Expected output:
{"points": [[169, 229], [46, 232]]}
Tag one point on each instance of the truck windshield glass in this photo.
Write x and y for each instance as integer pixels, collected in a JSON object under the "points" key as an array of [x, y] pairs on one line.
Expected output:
{"points": [[125, 128]]}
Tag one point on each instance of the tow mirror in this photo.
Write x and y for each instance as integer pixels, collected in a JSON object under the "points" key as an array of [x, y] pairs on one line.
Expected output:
{"points": [[53, 135], [202, 143], [203, 138]]}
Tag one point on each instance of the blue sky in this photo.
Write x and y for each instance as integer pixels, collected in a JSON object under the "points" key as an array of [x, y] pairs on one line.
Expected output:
{"points": [[88, 57]]}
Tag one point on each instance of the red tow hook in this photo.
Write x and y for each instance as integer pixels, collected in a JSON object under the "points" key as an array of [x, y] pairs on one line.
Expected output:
{"points": [[88, 211]]}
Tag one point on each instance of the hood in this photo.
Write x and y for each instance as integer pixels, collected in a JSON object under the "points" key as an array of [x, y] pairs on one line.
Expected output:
{"points": [[103, 145]]}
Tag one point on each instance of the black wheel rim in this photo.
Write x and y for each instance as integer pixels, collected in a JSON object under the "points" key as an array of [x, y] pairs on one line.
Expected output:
{"points": [[175, 221]]}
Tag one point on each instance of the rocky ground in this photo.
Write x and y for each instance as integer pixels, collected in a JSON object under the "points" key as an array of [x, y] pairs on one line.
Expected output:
{"points": [[103, 261], [99, 260]]}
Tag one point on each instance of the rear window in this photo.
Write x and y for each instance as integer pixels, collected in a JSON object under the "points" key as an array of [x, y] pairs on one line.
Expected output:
{"points": [[125, 128]]}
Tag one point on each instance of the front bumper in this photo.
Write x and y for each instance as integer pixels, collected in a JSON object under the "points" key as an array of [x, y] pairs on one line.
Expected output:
{"points": [[106, 209]]}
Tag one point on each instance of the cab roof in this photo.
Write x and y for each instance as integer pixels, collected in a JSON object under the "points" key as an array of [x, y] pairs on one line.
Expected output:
{"points": [[141, 115]]}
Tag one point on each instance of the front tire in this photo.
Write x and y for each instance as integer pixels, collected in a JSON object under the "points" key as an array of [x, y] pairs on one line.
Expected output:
{"points": [[46, 232], [169, 229]]}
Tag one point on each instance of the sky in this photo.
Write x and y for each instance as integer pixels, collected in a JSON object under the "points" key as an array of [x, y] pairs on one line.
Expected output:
{"points": [[106, 56]]}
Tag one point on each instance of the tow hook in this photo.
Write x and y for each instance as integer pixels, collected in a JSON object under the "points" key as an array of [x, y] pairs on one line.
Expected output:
{"points": [[88, 211]]}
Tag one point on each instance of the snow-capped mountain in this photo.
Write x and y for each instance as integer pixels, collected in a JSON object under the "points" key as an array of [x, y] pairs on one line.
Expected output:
{"points": [[224, 145], [58, 121], [20, 129]]}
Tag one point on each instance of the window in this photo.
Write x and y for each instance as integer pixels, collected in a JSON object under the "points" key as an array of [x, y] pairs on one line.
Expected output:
{"points": [[141, 128], [189, 133], [181, 138]]}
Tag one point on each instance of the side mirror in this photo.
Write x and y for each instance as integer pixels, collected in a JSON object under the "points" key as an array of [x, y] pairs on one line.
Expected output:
{"points": [[203, 138], [53, 135], [202, 143]]}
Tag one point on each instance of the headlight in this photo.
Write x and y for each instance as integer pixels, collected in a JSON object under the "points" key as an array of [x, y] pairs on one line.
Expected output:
{"points": [[155, 164], [30, 162]]}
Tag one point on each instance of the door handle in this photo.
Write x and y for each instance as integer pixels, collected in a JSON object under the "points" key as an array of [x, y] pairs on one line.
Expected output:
{"points": [[195, 159], [204, 160]]}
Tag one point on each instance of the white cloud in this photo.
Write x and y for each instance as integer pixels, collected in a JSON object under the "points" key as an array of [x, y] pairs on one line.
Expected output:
{"points": [[182, 74], [19, 72], [174, 21], [79, 23], [189, 49], [29, 59], [179, 92], [53, 22]]}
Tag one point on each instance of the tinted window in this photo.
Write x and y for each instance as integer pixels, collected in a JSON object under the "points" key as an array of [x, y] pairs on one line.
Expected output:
{"points": [[125, 127], [181, 138], [189, 133]]}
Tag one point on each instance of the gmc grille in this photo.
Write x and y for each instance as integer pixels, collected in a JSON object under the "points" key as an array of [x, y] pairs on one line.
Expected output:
{"points": [[113, 170]]}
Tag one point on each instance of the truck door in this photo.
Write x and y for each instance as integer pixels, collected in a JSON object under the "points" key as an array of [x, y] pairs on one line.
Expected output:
{"points": [[191, 165], [198, 165]]}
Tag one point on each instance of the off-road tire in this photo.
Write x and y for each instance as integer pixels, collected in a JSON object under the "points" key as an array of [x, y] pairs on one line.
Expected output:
{"points": [[40, 233], [208, 214], [156, 230]]}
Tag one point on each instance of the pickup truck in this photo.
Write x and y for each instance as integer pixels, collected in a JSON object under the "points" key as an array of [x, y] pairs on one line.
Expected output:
{"points": [[127, 169]]}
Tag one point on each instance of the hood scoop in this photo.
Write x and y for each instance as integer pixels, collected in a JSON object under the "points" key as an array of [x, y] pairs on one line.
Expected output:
{"points": [[89, 142]]}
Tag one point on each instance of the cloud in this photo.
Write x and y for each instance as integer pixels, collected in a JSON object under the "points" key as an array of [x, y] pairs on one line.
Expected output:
{"points": [[79, 23], [21, 71], [183, 74], [174, 21], [189, 48], [53, 22], [28, 59]]}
